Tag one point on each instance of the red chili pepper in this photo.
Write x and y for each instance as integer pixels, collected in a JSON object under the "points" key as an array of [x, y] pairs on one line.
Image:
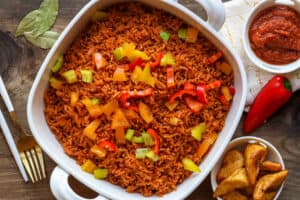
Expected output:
{"points": [[201, 94], [189, 86], [213, 85], [137, 62], [154, 134], [212, 59], [193, 104], [271, 97], [180, 93], [170, 77], [107, 145], [134, 94]]}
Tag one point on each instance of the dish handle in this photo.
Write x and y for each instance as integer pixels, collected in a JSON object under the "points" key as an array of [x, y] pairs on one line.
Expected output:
{"points": [[215, 11], [61, 189]]}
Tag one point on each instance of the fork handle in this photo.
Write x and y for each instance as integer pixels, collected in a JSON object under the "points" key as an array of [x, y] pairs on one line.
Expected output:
{"points": [[5, 96]]}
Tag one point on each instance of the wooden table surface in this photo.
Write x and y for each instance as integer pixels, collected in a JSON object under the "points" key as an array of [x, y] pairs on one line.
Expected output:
{"points": [[19, 63]]}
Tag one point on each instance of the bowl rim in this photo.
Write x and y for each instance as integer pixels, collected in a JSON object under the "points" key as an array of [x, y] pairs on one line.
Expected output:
{"points": [[237, 143], [196, 19], [258, 62]]}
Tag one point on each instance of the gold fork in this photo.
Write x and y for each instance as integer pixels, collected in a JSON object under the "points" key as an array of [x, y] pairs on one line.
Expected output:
{"points": [[29, 151]]}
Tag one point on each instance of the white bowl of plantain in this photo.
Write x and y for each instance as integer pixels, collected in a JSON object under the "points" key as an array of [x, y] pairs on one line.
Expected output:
{"points": [[250, 168]]}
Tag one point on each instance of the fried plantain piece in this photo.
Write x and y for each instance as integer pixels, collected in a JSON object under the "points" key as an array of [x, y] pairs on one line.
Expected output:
{"points": [[254, 154], [233, 160], [269, 195], [238, 179], [235, 195], [268, 182], [270, 166]]}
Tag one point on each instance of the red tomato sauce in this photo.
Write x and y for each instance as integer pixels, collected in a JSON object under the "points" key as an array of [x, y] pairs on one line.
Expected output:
{"points": [[275, 35]]}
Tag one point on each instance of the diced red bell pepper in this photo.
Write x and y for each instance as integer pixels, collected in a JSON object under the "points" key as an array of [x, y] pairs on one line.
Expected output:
{"points": [[223, 99], [232, 90], [193, 104], [180, 93], [213, 85], [137, 62], [201, 94], [189, 86], [134, 94], [170, 77], [155, 136], [212, 59], [107, 145]]}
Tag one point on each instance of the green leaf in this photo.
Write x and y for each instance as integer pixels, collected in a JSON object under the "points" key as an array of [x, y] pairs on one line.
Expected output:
{"points": [[45, 41], [39, 21]]}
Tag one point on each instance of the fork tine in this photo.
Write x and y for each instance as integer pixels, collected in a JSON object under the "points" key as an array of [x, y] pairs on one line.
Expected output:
{"points": [[28, 155], [41, 160], [36, 163], [26, 165]]}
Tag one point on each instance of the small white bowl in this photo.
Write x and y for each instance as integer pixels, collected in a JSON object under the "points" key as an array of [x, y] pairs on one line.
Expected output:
{"points": [[240, 143], [278, 69]]}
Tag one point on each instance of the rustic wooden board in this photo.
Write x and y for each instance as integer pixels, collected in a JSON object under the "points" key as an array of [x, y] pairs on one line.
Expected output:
{"points": [[19, 63]]}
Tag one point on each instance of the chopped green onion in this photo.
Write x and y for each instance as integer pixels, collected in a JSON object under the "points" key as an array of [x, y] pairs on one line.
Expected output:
{"points": [[70, 76], [182, 33], [99, 15], [164, 35], [95, 101], [167, 59], [147, 139], [189, 165], [141, 153], [174, 121], [100, 173], [129, 134], [198, 130], [59, 62], [139, 139], [171, 106], [87, 75], [151, 155], [118, 53]]}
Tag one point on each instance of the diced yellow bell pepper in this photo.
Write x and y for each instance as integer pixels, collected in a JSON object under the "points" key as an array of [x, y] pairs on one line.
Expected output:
{"points": [[119, 53], [94, 110], [128, 50], [56, 84], [189, 165], [207, 142], [137, 54], [144, 76], [167, 59], [198, 130], [70, 76], [99, 152], [119, 75], [110, 107], [226, 92], [120, 135], [145, 112], [174, 121], [224, 67], [119, 120], [171, 106], [88, 166], [89, 131], [191, 35], [74, 98]]}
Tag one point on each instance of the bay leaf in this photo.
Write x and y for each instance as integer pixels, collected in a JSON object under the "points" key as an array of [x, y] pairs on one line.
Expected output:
{"points": [[45, 41], [39, 21]]}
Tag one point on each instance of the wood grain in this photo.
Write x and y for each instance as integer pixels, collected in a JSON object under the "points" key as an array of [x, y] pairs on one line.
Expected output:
{"points": [[19, 63]]}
